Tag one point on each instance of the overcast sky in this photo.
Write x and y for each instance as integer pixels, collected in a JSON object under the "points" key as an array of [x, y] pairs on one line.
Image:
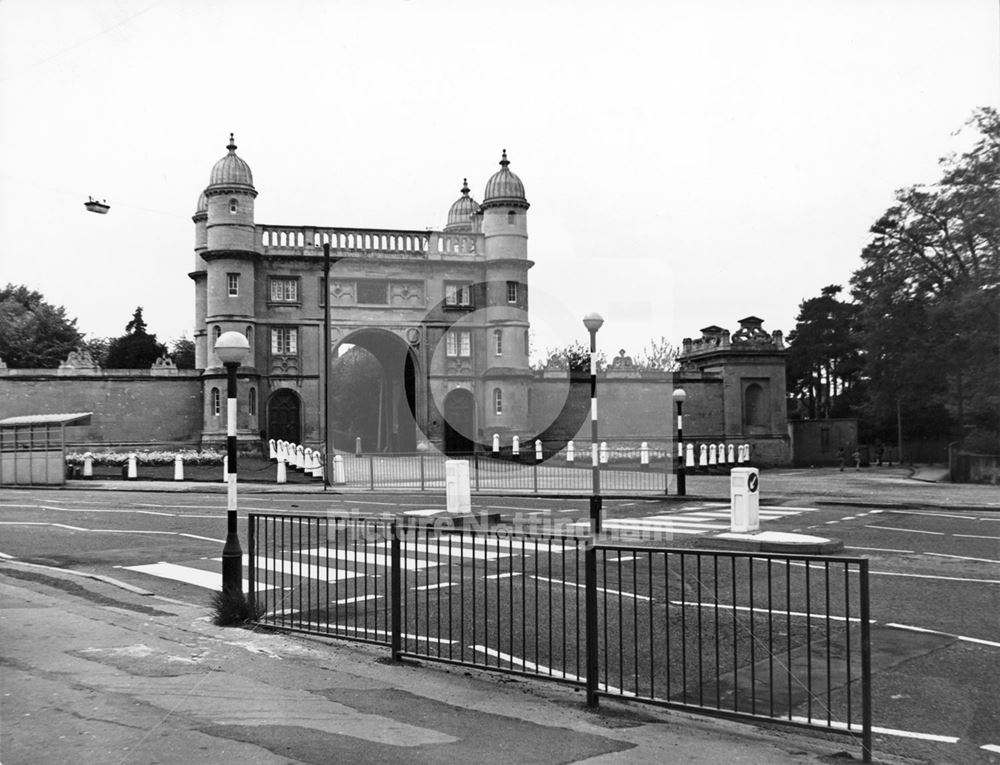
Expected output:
{"points": [[687, 163]]}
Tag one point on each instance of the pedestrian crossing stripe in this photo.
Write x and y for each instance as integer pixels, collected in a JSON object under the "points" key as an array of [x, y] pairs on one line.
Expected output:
{"points": [[367, 559], [298, 568], [209, 580]]}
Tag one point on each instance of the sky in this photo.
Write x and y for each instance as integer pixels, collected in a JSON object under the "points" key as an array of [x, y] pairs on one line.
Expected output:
{"points": [[687, 163]]}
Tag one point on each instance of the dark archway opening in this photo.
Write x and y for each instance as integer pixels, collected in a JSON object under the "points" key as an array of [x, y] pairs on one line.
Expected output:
{"points": [[283, 417], [459, 422], [373, 393]]}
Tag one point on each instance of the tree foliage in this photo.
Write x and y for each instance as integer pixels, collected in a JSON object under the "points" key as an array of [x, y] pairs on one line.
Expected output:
{"points": [[182, 353], [34, 333], [136, 349], [356, 377], [658, 356], [824, 358], [928, 294]]}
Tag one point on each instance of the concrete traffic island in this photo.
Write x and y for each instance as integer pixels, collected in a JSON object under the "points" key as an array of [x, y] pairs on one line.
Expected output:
{"points": [[745, 533], [458, 495]]}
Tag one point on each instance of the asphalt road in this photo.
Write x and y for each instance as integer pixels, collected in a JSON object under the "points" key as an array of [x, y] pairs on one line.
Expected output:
{"points": [[935, 579]]}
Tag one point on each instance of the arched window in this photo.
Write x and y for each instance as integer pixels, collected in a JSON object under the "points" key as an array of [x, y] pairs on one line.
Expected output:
{"points": [[252, 402], [498, 341], [216, 331], [511, 217], [249, 334], [216, 402], [497, 401], [753, 405], [234, 206]]}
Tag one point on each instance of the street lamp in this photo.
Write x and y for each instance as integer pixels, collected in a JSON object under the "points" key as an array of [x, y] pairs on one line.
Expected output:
{"points": [[231, 348], [679, 397], [593, 322]]}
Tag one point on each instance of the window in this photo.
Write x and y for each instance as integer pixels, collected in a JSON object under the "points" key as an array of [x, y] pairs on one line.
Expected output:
{"points": [[753, 405], [373, 293], [511, 292], [498, 401], [511, 217], [458, 295], [249, 334], [216, 402], [234, 206], [498, 341], [458, 344], [216, 331], [252, 403], [284, 290], [284, 341], [233, 281]]}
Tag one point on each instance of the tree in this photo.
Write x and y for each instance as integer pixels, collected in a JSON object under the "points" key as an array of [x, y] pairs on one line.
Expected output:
{"points": [[658, 356], [33, 333], [183, 353], [98, 349], [356, 377], [136, 349], [928, 293], [824, 358], [575, 357]]}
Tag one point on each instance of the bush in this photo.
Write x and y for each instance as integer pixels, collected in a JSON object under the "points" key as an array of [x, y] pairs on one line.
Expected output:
{"points": [[981, 442], [233, 609], [190, 457]]}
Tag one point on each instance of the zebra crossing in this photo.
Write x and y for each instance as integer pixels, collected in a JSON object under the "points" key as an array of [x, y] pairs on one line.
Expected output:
{"points": [[691, 520]]}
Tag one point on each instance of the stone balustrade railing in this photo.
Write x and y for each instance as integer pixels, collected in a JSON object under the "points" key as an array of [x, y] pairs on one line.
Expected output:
{"points": [[381, 243]]}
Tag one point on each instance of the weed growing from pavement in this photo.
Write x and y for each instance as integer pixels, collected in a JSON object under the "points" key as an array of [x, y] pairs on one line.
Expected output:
{"points": [[234, 609]]}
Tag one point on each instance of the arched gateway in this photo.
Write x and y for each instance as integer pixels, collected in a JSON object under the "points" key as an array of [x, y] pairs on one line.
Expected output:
{"points": [[442, 311]]}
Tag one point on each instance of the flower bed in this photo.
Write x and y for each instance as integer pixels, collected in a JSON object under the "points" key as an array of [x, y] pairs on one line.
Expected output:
{"points": [[189, 456]]}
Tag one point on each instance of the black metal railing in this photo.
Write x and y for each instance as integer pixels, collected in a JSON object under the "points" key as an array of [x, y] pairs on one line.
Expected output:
{"points": [[783, 638]]}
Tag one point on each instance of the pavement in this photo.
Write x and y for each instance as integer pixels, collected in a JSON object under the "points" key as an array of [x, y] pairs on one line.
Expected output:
{"points": [[94, 671]]}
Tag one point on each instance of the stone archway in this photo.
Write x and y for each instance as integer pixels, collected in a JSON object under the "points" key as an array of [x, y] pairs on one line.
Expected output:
{"points": [[284, 416], [459, 422]]}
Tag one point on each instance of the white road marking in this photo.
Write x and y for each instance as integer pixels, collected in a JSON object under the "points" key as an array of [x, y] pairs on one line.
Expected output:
{"points": [[909, 531], [990, 747], [947, 634], [879, 549], [931, 576], [410, 564], [518, 662], [209, 580], [816, 617], [880, 731], [359, 598], [974, 536], [583, 586], [936, 515], [439, 586], [299, 569], [408, 636], [504, 576], [963, 557]]}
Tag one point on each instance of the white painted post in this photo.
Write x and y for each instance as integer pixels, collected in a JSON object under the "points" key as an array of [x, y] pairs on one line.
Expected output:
{"points": [[731, 454], [570, 449], [711, 454], [225, 469], [357, 446], [515, 446], [604, 452], [538, 450], [744, 484], [133, 471], [721, 451], [496, 443], [689, 456], [458, 489], [644, 455], [300, 457], [339, 477], [282, 471], [88, 466], [178, 468], [703, 456], [272, 453]]}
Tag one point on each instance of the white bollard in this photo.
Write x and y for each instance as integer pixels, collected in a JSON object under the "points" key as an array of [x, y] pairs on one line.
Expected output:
{"points": [[604, 452], [272, 453], [570, 449], [317, 471], [515, 446], [88, 466], [357, 446], [225, 469], [300, 457], [538, 450], [731, 454], [133, 471], [644, 455], [458, 489], [282, 471], [339, 476], [721, 452], [496, 443], [178, 468], [703, 456], [745, 497], [689, 456], [711, 454]]}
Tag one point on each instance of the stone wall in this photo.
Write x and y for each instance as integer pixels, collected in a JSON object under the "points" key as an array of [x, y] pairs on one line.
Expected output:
{"points": [[129, 405]]}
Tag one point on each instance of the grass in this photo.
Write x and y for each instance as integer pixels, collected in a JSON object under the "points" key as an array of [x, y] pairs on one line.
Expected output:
{"points": [[233, 609]]}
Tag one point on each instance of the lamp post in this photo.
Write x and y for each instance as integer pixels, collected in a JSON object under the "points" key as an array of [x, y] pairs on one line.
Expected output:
{"points": [[679, 397], [593, 322], [231, 348]]}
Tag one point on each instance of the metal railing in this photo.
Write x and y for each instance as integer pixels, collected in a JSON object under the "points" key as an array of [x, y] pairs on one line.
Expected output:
{"points": [[783, 638]]}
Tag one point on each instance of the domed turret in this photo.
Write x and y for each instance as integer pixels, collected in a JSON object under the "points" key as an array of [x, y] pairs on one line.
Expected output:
{"points": [[461, 212], [231, 170], [504, 188], [202, 204]]}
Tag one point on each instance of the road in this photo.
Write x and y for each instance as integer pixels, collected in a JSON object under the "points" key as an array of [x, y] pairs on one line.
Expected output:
{"points": [[935, 578]]}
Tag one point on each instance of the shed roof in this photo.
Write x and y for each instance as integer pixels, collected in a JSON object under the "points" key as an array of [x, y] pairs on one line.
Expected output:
{"points": [[72, 418]]}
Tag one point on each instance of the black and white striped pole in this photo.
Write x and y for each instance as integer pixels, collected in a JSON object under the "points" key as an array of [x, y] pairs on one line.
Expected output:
{"points": [[679, 397], [593, 322], [231, 348]]}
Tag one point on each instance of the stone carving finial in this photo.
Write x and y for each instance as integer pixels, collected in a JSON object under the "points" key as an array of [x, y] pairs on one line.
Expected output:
{"points": [[79, 358], [164, 362]]}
